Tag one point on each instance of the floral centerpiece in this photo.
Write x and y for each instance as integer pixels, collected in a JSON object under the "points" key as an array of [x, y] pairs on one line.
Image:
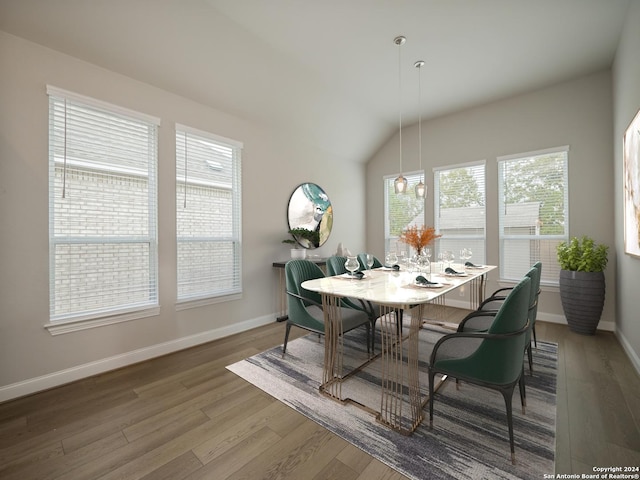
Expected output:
{"points": [[418, 237]]}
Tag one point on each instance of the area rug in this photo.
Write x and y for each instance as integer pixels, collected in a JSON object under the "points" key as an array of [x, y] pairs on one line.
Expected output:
{"points": [[469, 438]]}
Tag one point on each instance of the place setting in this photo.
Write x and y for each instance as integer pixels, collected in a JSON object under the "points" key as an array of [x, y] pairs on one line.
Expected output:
{"points": [[423, 282]]}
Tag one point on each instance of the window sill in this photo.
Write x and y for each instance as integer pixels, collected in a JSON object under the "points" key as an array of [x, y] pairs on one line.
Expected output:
{"points": [[200, 302], [68, 326], [545, 287]]}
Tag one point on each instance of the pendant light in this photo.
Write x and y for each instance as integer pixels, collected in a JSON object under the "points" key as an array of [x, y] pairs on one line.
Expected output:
{"points": [[400, 183], [421, 189]]}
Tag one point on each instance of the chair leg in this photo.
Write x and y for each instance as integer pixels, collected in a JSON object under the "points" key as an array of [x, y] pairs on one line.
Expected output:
{"points": [[368, 327], [286, 338], [523, 392], [399, 319], [530, 357], [373, 336], [535, 340], [431, 381], [508, 395]]}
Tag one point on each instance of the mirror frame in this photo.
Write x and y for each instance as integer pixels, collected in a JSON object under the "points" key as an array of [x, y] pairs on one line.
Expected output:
{"points": [[309, 208]]}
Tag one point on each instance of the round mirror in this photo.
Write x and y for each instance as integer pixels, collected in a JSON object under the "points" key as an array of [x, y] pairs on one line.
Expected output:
{"points": [[310, 215]]}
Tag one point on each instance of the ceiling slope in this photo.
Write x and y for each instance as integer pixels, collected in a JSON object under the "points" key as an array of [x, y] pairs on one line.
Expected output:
{"points": [[327, 71]]}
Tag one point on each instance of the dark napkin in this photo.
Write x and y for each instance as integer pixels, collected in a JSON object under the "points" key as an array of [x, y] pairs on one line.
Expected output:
{"points": [[451, 271], [421, 280]]}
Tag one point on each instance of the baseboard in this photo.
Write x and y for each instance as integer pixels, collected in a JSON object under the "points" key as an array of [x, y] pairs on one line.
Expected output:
{"points": [[542, 316], [633, 356], [55, 379]]}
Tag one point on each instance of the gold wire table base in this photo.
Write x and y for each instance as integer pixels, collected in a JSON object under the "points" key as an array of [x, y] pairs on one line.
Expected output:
{"points": [[398, 410], [401, 400]]}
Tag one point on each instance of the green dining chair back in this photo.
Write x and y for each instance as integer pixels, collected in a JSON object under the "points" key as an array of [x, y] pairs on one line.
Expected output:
{"points": [[483, 317], [490, 359], [362, 258], [336, 266], [305, 306]]}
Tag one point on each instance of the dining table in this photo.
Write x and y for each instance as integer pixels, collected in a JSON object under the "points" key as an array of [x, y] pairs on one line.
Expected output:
{"points": [[400, 296]]}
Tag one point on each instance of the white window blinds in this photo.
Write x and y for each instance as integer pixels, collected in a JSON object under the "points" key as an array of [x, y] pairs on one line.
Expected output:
{"points": [[102, 208], [208, 196], [401, 210], [460, 209], [533, 212]]}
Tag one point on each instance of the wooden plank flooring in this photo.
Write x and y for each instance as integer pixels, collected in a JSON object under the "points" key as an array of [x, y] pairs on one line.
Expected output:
{"points": [[184, 416]]}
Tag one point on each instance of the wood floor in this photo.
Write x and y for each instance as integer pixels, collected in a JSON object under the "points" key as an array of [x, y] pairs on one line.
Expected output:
{"points": [[184, 416]]}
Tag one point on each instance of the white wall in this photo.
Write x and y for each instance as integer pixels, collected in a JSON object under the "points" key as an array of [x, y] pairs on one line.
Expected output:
{"points": [[576, 113], [273, 165], [626, 103]]}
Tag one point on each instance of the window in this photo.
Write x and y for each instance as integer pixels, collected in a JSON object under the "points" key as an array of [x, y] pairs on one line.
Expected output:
{"points": [[102, 210], [533, 212], [460, 209], [208, 215], [401, 211]]}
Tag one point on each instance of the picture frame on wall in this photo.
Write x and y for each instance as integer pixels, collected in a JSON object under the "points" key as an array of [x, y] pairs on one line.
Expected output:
{"points": [[631, 161]]}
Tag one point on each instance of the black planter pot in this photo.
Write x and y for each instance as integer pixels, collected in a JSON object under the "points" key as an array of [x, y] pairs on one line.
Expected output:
{"points": [[582, 296]]}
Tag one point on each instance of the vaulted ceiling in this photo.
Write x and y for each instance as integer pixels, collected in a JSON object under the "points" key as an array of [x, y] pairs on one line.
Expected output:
{"points": [[327, 70]]}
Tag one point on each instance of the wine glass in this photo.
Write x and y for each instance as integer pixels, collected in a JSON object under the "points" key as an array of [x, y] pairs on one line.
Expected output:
{"points": [[423, 264], [352, 264], [369, 260], [449, 257], [402, 260], [390, 259], [412, 263], [465, 254]]}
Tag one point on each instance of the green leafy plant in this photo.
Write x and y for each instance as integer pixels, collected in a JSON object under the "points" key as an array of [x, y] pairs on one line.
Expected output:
{"points": [[298, 234], [582, 255]]}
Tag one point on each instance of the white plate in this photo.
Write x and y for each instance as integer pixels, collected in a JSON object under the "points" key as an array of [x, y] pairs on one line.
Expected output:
{"points": [[429, 285], [352, 277]]}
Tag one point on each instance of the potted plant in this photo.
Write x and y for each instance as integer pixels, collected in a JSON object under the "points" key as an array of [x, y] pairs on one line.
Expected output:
{"points": [[302, 238], [582, 285]]}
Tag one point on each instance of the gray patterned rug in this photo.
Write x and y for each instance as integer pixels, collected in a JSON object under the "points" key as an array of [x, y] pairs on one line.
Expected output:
{"points": [[469, 438]]}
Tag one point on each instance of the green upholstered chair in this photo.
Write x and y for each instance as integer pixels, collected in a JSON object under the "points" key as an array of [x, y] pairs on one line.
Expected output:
{"points": [[481, 319], [305, 307], [362, 258], [335, 266], [490, 359], [493, 302]]}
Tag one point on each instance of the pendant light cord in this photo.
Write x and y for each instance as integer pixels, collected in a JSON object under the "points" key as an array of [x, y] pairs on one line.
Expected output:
{"points": [[420, 188], [419, 64], [400, 98], [400, 183]]}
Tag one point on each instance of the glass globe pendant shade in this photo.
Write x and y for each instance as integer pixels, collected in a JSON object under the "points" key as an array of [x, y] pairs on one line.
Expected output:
{"points": [[421, 188], [400, 184]]}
